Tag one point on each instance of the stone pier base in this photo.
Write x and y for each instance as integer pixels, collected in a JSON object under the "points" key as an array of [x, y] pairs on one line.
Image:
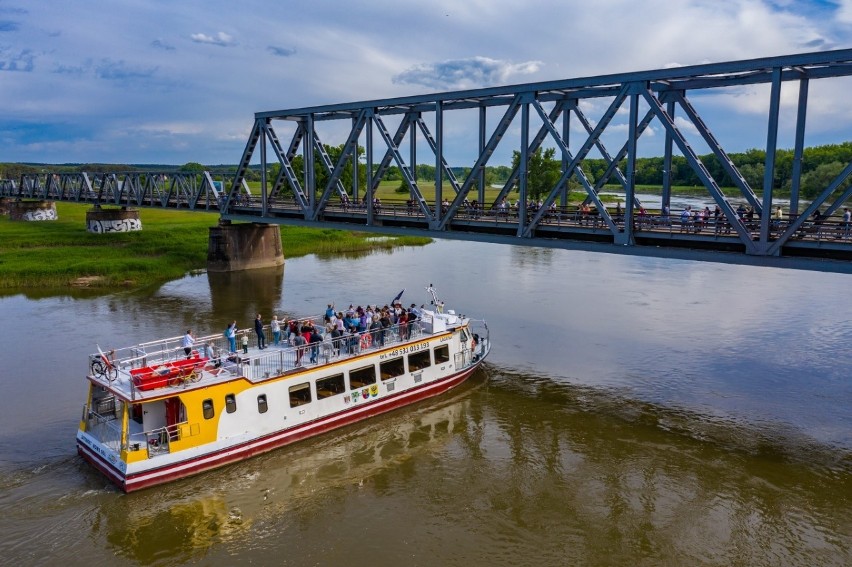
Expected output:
{"points": [[112, 220], [32, 211], [247, 246]]}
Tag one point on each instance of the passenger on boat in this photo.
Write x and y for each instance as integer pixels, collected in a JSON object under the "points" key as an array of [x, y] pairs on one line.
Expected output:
{"points": [[213, 354], [352, 339], [292, 330], [258, 331], [231, 335], [299, 342], [385, 320], [316, 339], [275, 327], [403, 325], [187, 342], [376, 331], [363, 322]]}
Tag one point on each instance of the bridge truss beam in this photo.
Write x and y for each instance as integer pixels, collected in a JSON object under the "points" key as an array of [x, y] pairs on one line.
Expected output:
{"points": [[660, 92]]}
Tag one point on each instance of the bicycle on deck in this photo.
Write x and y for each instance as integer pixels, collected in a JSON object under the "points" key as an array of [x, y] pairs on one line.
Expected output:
{"points": [[104, 365]]}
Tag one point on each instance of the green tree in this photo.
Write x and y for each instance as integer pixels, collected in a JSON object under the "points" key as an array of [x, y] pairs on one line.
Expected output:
{"points": [[191, 167], [543, 171], [814, 182]]}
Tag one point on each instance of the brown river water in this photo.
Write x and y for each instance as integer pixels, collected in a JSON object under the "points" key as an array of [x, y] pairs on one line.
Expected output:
{"points": [[633, 411]]}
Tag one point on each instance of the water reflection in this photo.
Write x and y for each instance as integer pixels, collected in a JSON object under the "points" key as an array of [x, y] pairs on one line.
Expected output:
{"points": [[148, 528], [247, 292]]}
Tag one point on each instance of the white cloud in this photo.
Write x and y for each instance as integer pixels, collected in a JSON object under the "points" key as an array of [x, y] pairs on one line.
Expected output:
{"points": [[222, 39], [144, 68], [465, 73]]}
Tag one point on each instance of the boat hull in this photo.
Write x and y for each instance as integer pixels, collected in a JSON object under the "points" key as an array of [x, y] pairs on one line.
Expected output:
{"points": [[130, 481]]}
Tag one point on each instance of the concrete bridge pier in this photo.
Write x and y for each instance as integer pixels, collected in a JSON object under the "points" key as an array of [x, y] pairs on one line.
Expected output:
{"points": [[101, 221], [233, 247], [32, 211]]}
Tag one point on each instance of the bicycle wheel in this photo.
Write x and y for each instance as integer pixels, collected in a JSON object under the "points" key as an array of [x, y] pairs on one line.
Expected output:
{"points": [[174, 380], [98, 367], [194, 376], [112, 373]]}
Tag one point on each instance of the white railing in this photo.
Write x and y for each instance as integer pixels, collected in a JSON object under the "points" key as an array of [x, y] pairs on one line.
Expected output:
{"points": [[104, 429], [259, 367]]}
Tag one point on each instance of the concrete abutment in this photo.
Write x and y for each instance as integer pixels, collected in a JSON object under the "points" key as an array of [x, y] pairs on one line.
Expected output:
{"points": [[233, 247]]}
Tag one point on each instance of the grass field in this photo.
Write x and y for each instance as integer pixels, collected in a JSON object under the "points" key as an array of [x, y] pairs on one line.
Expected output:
{"points": [[59, 253]]}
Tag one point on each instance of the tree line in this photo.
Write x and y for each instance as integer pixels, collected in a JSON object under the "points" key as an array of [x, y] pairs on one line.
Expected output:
{"points": [[820, 165]]}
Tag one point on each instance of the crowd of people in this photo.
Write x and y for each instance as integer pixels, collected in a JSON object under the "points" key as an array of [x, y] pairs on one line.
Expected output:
{"points": [[343, 331]]}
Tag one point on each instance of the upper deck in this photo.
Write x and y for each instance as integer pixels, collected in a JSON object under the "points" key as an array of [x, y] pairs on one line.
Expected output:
{"points": [[134, 373]]}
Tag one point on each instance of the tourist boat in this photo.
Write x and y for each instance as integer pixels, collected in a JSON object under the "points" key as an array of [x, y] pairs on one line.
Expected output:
{"points": [[154, 414]]}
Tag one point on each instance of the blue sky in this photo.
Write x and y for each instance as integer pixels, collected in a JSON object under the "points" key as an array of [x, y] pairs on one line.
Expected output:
{"points": [[164, 81]]}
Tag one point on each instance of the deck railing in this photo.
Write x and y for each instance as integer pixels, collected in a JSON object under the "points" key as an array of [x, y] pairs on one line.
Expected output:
{"points": [[260, 367], [105, 429]]}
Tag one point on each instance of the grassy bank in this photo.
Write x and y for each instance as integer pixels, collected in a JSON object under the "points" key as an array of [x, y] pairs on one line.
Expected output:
{"points": [[59, 253]]}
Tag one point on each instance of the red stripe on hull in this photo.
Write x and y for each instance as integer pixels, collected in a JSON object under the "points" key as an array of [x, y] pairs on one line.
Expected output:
{"points": [[272, 441]]}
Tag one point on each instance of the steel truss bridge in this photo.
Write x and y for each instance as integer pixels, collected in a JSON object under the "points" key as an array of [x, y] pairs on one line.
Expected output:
{"points": [[391, 131]]}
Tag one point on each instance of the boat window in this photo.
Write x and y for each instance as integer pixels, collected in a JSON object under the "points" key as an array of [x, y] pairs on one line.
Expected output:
{"points": [[465, 335], [230, 403], [207, 409], [362, 377], [331, 386], [442, 354], [419, 361], [300, 394], [261, 404], [392, 368]]}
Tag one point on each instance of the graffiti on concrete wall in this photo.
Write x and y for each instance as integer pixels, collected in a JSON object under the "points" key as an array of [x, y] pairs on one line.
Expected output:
{"points": [[117, 225], [40, 215]]}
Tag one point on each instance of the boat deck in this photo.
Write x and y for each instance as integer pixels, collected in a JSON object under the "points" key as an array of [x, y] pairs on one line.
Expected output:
{"points": [[255, 365]]}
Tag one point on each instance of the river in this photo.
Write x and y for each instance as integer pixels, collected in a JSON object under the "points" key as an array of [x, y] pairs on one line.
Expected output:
{"points": [[633, 411]]}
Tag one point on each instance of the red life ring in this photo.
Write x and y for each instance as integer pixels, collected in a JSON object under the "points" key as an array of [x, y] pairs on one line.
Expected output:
{"points": [[366, 341]]}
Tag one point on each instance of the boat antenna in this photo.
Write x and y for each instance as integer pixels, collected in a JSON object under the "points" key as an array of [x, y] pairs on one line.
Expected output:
{"points": [[431, 291]]}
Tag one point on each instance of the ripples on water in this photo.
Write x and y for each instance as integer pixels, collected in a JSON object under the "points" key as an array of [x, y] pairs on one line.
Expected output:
{"points": [[633, 412], [512, 469]]}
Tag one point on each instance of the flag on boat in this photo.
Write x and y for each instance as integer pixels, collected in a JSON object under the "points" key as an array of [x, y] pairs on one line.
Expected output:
{"points": [[398, 295]]}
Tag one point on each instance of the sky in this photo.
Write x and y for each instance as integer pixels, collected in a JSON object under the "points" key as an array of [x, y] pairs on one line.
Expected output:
{"points": [[171, 82]]}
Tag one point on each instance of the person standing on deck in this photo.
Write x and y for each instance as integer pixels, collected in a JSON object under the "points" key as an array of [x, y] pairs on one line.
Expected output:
{"points": [[299, 342], [187, 342], [275, 327], [258, 330], [231, 335]]}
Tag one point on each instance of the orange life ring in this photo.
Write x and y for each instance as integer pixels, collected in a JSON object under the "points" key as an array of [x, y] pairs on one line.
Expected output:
{"points": [[366, 341]]}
